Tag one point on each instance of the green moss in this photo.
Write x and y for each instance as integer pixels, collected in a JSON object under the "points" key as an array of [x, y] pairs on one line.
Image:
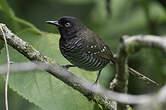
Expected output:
{"points": [[132, 47], [129, 107], [107, 104]]}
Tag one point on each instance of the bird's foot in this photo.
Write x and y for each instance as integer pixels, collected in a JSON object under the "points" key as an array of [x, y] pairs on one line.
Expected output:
{"points": [[67, 66], [94, 85]]}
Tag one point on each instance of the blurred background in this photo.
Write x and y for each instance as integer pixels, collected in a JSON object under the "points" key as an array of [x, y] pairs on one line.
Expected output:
{"points": [[111, 19]]}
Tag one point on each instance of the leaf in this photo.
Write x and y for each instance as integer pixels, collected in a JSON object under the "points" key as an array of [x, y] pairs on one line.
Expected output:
{"points": [[16, 24]]}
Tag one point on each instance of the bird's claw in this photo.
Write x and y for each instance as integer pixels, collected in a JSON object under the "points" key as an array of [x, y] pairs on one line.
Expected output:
{"points": [[67, 66]]}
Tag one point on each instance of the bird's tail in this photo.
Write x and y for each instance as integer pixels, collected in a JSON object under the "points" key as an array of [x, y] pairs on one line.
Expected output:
{"points": [[141, 76], [136, 73]]}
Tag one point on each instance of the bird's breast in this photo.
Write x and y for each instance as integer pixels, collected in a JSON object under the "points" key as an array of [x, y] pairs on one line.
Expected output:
{"points": [[75, 52]]}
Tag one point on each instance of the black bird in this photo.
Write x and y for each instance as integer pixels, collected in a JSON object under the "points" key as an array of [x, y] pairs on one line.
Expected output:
{"points": [[81, 46]]}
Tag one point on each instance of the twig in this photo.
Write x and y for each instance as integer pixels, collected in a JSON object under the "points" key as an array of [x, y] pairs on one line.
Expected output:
{"points": [[8, 70], [133, 43], [122, 70], [141, 76], [122, 73], [17, 67]]}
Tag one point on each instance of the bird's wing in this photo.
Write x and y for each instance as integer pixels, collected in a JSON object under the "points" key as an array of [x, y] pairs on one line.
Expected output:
{"points": [[97, 47]]}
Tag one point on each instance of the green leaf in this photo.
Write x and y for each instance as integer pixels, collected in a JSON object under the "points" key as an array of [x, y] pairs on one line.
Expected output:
{"points": [[16, 24], [4, 6]]}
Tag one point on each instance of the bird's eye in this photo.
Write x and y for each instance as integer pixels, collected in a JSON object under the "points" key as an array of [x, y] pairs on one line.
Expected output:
{"points": [[67, 24]]}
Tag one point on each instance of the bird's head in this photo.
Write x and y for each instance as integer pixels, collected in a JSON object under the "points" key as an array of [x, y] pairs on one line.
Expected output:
{"points": [[68, 25]]}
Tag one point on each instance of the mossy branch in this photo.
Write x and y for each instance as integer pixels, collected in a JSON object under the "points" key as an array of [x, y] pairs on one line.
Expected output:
{"points": [[122, 73], [135, 43]]}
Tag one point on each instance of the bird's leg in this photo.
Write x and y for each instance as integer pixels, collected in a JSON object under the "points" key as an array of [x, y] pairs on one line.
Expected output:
{"points": [[68, 66], [90, 95], [98, 75]]}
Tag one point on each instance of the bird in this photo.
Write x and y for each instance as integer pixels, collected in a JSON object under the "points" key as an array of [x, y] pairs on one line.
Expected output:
{"points": [[83, 48]]}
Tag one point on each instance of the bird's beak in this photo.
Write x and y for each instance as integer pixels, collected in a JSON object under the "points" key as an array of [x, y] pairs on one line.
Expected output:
{"points": [[53, 22]]}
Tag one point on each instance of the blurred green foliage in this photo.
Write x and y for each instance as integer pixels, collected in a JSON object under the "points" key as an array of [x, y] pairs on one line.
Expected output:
{"points": [[127, 17]]}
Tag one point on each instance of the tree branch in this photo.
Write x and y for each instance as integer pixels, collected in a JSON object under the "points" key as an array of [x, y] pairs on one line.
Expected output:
{"points": [[99, 91], [130, 45], [122, 69], [134, 43], [147, 102], [122, 73]]}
